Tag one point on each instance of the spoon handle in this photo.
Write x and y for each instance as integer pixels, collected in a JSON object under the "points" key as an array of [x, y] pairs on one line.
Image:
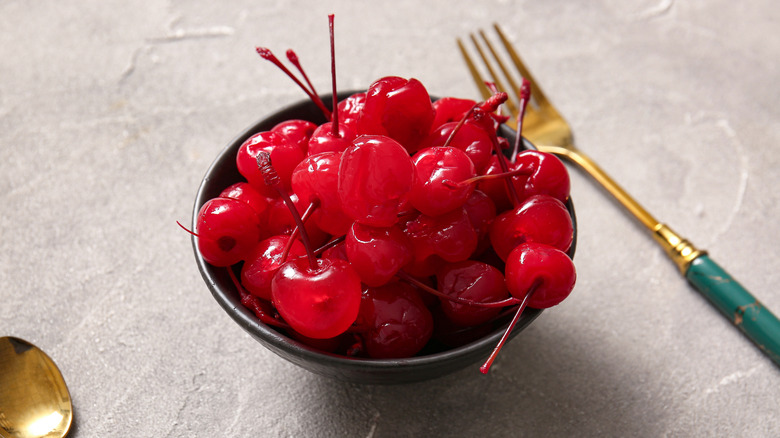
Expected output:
{"points": [[754, 320]]}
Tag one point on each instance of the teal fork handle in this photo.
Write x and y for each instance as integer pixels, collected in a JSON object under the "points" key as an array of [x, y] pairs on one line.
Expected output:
{"points": [[743, 309]]}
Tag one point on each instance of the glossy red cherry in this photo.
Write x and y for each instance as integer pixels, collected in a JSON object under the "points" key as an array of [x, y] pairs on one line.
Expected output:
{"points": [[261, 265], [542, 275], [539, 219], [548, 175], [470, 137], [481, 212], [227, 231], [336, 252], [436, 165], [449, 236], [375, 177], [284, 154], [323, 140], [316, 179], [245, 193], [377, 253], [319, 298], [474, 281], [351, 108], [450, 109], [296, 131], [398, 108], [281, 221], [546, 271], [319, 301], [496, 189], [394, 320]]}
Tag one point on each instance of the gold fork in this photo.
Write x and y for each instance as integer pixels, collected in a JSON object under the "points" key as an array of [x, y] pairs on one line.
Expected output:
{"points": [[549, 132]]}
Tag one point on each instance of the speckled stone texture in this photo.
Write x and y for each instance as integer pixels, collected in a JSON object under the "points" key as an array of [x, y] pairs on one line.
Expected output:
{"points": [[110, 113]]}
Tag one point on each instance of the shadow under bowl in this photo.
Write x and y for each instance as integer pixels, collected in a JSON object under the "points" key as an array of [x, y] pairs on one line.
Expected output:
{"points": [[434, 361]]}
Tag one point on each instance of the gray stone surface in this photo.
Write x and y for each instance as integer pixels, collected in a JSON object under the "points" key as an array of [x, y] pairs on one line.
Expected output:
{"points": [[110, 113]]}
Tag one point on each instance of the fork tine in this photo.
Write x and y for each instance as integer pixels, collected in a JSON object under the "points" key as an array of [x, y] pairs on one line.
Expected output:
{"points": [[536, 92], [483, 89], [496, 79], [512, 83]]}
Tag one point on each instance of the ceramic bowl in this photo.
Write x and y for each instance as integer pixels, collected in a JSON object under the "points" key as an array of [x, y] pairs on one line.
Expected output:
{"points": [[434, 361]]}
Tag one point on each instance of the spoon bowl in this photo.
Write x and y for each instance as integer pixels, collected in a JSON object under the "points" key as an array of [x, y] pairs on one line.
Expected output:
{"points": [[34, 400]]}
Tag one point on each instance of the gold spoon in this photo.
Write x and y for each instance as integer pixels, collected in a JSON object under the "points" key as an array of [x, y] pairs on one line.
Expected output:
{"points": [[34, 401]]}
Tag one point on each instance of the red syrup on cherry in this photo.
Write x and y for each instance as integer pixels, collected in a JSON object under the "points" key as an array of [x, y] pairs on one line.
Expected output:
{"points": [[394, 187]]}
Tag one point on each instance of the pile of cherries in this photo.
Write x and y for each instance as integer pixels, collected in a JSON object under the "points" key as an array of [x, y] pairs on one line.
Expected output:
{"points": [[398, 221]]}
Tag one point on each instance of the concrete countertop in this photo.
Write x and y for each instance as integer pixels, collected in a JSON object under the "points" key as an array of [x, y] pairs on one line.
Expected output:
{"points": [[110, 113]]}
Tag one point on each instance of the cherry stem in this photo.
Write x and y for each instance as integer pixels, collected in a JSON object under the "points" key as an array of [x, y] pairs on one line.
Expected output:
{"points": [[188, 230], [253, 303], [335, 114], [486, 366], [294, 234], [271, 178], [460, 123], [513, 196], [330, 244], [417, 283], [494, 102], [493, 89], [525, 97], [293, 58], [266, 54], [195, 234], [490, 105], [475, 179]]}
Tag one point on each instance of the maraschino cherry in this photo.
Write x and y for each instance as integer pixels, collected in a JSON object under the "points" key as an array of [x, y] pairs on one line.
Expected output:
{"points": [[297, 131], [263, 263], [286, 156], [375, 178], [319, 298], [537, 274], [450, 109], [540, 219], [474, 281], [394, 321], [316, 179], [398, 108], [434, 166], [377, 253], [227, 231]]}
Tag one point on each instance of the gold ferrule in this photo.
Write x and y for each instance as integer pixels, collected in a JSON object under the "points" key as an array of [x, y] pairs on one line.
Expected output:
{"points": [[681, 251]]}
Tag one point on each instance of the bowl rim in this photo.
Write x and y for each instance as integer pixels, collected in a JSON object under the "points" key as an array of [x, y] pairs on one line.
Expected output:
{"points": [[273, 339]]}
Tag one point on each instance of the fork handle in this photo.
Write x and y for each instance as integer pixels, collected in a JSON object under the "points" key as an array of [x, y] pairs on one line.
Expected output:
{"points": [[747, 313], [754, 320]]}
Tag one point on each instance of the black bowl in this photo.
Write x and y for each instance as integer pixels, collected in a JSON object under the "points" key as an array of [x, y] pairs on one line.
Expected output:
{"points": [[434, 361]]}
